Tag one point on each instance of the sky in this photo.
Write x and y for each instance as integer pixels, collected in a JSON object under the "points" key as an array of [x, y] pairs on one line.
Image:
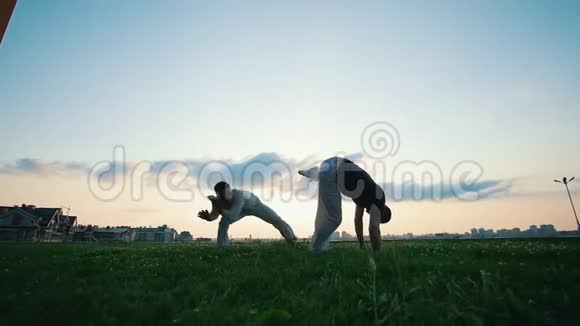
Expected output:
{"points": [[496, 83]]}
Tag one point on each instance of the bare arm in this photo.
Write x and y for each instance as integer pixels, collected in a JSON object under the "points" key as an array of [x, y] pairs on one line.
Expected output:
{"points": [[375, 229], [358, 225], [205, 215], [215, 210]]}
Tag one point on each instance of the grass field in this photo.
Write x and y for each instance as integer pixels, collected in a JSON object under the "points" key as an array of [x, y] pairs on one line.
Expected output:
{"points": [[410, 282]]}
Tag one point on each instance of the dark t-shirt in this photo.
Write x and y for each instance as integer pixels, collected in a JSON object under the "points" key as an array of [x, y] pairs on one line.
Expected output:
{"points": [[357, 184]]}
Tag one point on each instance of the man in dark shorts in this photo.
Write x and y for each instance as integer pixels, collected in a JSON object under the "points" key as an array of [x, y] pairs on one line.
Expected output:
{"points": [[338, 176]]}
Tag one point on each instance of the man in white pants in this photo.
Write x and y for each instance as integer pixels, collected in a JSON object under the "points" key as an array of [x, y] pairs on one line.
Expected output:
{"points": [[338, 176], [233, 205]]}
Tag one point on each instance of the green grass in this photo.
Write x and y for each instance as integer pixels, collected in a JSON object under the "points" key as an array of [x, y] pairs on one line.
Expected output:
{"points": [[411, 282]]}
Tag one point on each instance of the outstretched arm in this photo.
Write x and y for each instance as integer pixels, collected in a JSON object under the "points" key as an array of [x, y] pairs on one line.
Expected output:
{"points": [[205, 215], [375, 229], [215, 210], [358, 225]]}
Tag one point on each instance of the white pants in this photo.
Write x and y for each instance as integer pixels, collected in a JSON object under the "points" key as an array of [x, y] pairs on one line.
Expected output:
{"points": [[329, 212], [261, 211]]}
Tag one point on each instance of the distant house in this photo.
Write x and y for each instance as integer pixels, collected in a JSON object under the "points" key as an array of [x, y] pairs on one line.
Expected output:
{"points": [[16, 224], [83, 234], [346, 236], [157, 234], [92, 233], [185, 236], [65, 223], [114, 234], [547, 229], [335, 236], [47, 217], [54, 225], [50, 223]]}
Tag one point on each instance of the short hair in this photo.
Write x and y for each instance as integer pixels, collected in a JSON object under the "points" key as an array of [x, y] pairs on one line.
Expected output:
{"points": [[385, 214], [220, 188]]}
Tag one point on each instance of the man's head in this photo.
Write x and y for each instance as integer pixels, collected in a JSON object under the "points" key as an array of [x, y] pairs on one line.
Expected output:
{"points": [[382, 210], [223, 190], [385, 214]]}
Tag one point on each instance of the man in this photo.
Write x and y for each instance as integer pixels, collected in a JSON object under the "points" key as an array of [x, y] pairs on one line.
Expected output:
{"points": [[338, 176], [233, 205]]}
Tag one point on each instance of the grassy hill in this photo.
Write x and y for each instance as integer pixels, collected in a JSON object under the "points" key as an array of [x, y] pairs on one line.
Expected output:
{"points": [[410, 282]]}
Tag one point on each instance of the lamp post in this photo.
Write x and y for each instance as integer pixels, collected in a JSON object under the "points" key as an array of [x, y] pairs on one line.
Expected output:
{"points": [[565, 181]]}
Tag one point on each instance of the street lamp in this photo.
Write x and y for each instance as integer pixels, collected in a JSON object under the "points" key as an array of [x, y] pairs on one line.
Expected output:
{"points": [[565, 182]]}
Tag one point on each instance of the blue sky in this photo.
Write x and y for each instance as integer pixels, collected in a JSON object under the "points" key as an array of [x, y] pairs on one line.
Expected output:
{"points": [[497, 82]]}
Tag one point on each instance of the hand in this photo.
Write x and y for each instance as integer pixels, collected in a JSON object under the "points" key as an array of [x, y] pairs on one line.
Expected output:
{"points": [[204, 215]]}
